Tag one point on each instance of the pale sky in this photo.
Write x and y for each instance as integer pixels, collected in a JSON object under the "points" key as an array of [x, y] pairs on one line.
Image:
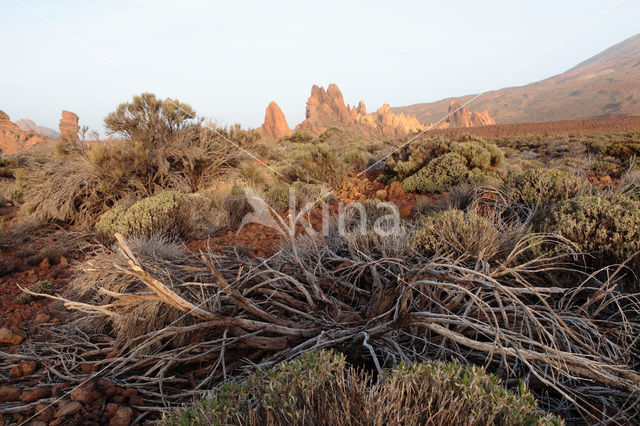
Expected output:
{"points": [[229, 59]]}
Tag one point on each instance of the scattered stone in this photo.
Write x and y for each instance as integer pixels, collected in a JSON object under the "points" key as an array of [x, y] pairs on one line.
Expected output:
{"points": [[45, 265], [122, 417], [11, 336], [59, 389], [23, 369], [68, 409], [35, 395], [42, 318], [85, 393], [381, 194], [9, 393], [111, 409]]}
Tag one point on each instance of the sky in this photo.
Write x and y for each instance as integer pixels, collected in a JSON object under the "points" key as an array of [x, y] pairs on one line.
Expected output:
{"points": [[229, 59]]}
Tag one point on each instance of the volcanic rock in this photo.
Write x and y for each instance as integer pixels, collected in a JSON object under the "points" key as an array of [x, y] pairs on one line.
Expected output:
{"points": [[459, 116], [326, 109], [122, 417], [69, 125], [13, 139], [9, 393], [69, 409], [275, 123], [12, 336], [23, 369]]}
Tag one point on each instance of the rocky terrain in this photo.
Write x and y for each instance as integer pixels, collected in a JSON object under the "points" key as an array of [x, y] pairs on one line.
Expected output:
{"points": [[606, 85], [326, 109], [590, 126], [26, 125], [13, 139], [26, 136]]}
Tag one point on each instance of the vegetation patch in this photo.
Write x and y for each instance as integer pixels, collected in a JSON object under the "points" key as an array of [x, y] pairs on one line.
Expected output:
{"points": [[320, 388]]}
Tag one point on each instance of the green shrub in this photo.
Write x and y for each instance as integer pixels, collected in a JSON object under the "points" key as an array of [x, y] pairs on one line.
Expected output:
{"points": [[475, 154], [439, 175], [544, 185], [170, 213], [253, 172], [321, 164], [41, 287], [299, 136], [607, 227], [319, 388], [603, 168], [355, 158]]}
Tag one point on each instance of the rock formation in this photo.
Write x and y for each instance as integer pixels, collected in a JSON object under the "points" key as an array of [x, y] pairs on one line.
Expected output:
{"points": [[275, 124], [69, 125], [459, 116], [326, 109], [13, 139]]}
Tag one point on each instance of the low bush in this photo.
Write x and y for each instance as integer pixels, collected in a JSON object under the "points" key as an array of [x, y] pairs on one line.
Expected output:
{"points": [[162, 149], [171, 213], [7, 265], [299, 136], [607, 227], [40, 287], [545, 186], [320, 388], [321, 164], [439, 175]]}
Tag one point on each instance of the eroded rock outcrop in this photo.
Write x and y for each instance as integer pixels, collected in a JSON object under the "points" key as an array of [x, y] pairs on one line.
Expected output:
{"points": [[13, 139], [69, 125], [460, 116], [326, 109], [275, 123]]}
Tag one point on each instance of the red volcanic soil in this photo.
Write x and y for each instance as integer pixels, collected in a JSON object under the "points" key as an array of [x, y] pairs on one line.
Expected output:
{"points": [[594, 125]]}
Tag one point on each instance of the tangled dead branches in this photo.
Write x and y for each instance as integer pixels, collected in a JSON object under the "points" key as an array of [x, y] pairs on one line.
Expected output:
{"points": [[180, 323]]}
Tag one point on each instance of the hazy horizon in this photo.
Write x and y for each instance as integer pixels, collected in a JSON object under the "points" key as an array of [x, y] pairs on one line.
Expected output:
{"points": [[230, 60]]}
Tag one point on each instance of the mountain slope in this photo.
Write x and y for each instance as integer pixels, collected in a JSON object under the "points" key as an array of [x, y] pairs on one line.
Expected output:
{"points": [[26, 125], [606, 85]]}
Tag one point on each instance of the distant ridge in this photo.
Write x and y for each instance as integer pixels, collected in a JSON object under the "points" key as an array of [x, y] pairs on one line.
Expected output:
{"points": [[606, 85]]}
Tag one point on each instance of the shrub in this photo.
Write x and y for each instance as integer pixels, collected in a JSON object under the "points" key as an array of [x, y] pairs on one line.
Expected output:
{"points": [[164, 151], [457, 232], [608, 227], [544, 185], [355, 158], [319, 388], [236, 206], [7, 265], [253, 172], [322, 165], [439, 175], [603, 168], [148, 119], [41, 287], [299, 136], [170, 213], [475, 154]]}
